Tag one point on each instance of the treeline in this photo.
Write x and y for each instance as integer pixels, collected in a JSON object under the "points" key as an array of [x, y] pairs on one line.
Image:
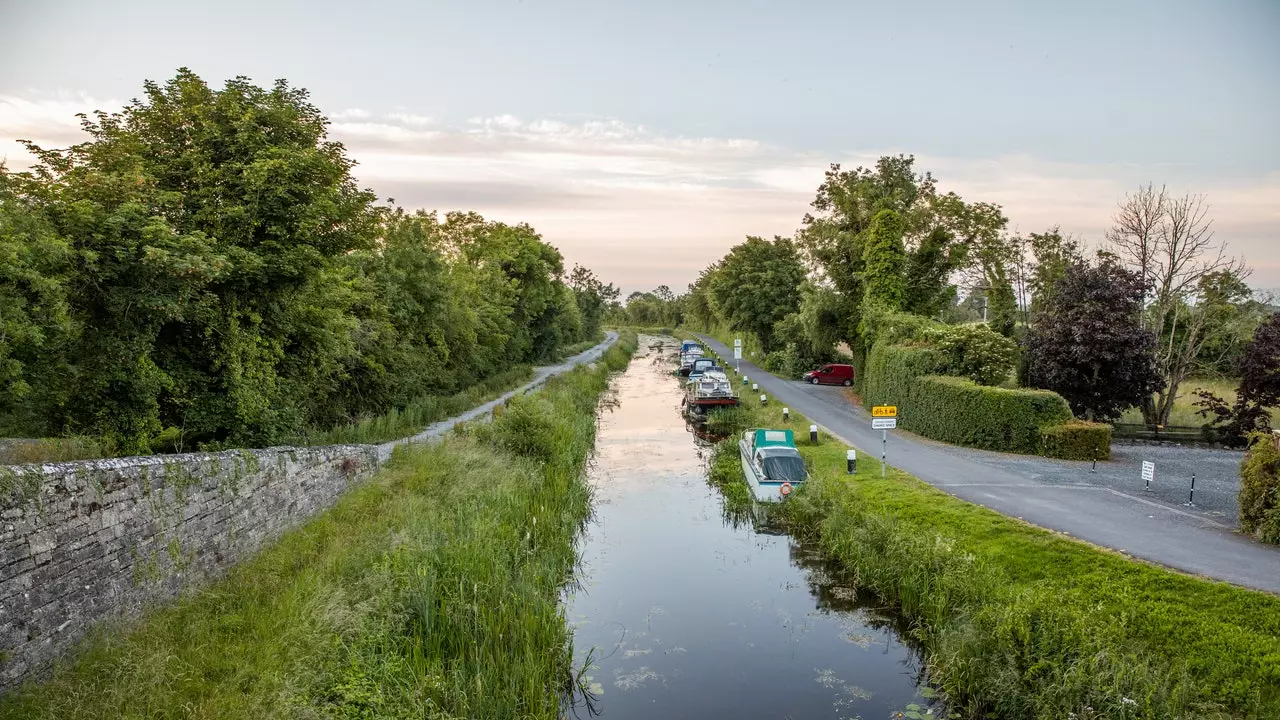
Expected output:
{"points": [[204, 271], [885, 253]]}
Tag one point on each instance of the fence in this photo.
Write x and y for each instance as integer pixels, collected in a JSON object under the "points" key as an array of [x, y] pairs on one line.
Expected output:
{"points": [[1166, 433]]}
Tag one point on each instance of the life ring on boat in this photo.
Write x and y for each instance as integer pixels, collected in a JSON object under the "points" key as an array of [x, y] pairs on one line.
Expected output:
{"points": [[785, 489]]}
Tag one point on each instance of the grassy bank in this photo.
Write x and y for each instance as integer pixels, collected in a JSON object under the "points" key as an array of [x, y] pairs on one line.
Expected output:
{"points": [[1019, 622], [420, 413], [428, 591]]}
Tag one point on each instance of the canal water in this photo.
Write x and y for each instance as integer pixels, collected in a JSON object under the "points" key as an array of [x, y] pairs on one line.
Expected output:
{"points": [[679, 612]]}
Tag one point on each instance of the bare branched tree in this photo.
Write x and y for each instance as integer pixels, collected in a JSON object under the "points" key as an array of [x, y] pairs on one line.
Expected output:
{"points": [[1170, 242]]}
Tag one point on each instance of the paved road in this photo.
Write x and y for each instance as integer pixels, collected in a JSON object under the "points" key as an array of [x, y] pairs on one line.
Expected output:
{"points": [[540, 376], [1132, 522]]}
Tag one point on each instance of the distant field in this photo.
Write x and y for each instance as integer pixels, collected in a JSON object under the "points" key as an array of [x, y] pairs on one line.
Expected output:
{"points": [[1184, 409]]}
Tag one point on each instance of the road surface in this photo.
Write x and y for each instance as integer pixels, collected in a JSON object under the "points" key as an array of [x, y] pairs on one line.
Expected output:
{"points": [[1044, 492]]}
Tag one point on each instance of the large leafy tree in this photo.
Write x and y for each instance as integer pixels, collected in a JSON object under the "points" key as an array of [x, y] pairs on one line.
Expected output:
{"points": [[885, 259], [758, 285], [941, 235], [592, 296], [205, 223], [1088, 344]]}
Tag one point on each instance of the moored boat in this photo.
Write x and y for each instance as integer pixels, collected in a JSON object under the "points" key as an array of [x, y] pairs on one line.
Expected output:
{"points": [[709, 391], [771, 463], [687, 357]]}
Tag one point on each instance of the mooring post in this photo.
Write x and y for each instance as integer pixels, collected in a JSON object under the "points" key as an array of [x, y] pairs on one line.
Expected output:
{"points": [[744, 379], [755, 387], [884, 449], [813, 434], [850, 458], [786, 414], [764, 399]]}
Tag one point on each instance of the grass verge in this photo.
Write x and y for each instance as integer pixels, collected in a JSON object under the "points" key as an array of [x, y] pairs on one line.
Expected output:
{"points": [[1019, 622], [430, 590], [417, 415]]}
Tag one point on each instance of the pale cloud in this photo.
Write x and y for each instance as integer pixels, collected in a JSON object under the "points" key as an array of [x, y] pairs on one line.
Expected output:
{"points": [[643, 208]]}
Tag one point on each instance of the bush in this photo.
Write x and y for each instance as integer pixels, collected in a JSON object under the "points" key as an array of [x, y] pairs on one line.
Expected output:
{"points": [[1077, 440], [959, 411], [976, 352], [1260, 488]]}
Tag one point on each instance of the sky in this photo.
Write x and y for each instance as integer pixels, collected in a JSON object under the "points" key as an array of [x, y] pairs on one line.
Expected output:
{"points": [[644, 139]]}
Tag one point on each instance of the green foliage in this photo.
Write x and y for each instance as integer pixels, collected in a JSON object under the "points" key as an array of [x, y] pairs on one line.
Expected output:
{"points": [[1016, 621], [432, 590], [1260, 488], [1002, 308], [957, 410], [1077, 440], [757, 285], [885, 259], [1257, 393], [1087, 344], [204, 271], [975, 352]]}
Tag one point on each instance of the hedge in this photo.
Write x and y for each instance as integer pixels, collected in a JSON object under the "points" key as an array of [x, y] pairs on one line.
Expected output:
{"points": [[1260, 489], [957, 410], [1077, 440]]}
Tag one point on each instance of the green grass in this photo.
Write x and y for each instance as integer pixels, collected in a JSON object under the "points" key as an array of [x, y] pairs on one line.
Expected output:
{"points": [[569, 351], [1184, 413], [1019, 622], [430, 590], [51, 450], [420, 413]]}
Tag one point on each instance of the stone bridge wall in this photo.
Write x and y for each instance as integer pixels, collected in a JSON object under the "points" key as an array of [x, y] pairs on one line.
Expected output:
{"points": [[82, 542]]}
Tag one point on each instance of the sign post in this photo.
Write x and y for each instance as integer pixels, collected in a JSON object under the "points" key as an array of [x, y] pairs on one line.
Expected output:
{"points": [[1148, 473], [884, 418], [737, 353]]}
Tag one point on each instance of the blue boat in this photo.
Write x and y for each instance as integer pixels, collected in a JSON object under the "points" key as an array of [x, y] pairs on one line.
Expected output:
{"points": [[771, 463]]}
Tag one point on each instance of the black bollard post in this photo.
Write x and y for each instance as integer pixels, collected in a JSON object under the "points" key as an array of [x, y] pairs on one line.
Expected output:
{"points": [[1094, 469], [1191, 500], [813, 434]]}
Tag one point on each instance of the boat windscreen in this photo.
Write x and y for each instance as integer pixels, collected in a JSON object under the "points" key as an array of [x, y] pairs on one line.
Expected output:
{"points": [[784, 468]]}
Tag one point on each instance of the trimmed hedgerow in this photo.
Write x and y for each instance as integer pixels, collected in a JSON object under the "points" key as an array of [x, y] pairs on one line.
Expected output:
{"points": [[1077, 440], [957, 410], [1260, 489]]}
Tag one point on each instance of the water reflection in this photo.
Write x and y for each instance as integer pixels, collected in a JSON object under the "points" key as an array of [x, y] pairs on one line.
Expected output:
{"points": [[682, 612]]}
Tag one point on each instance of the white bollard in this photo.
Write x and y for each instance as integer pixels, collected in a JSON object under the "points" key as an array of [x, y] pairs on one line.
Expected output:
{"points": [[764, 399], [851, 459], [813, 434], [786, 414]]}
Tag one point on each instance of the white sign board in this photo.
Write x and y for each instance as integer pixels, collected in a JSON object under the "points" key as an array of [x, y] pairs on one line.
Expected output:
{"points": [[737, 342], [737, 353], [884, 423], [1148, 470]]}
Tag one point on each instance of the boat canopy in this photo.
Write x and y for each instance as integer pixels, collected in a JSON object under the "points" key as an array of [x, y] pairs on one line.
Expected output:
{"points": [[688, 344], [779, 467], [775, 438]]}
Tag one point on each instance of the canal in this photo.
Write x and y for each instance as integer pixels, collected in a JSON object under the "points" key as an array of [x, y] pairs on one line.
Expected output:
{"points": [[681, 612]]}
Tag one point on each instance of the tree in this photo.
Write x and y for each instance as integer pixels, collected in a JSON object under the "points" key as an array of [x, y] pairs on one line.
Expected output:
{"points": [[1169, 242], [1088, 345], [758, 285], [885, 259], [940, 235], [1259, 389], [592, 296], [35, 264]]}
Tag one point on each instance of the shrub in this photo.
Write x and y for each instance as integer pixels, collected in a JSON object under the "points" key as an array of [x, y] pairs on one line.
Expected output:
{"points": [[957, 410], [976, 352], [1077, 440], [1260, 488]]}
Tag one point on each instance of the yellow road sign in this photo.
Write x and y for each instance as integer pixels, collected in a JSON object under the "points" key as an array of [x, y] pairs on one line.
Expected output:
{"points": [[884, 411]]}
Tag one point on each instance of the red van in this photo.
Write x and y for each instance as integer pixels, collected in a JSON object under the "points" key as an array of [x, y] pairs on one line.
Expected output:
{"points": [[831, 375]]}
